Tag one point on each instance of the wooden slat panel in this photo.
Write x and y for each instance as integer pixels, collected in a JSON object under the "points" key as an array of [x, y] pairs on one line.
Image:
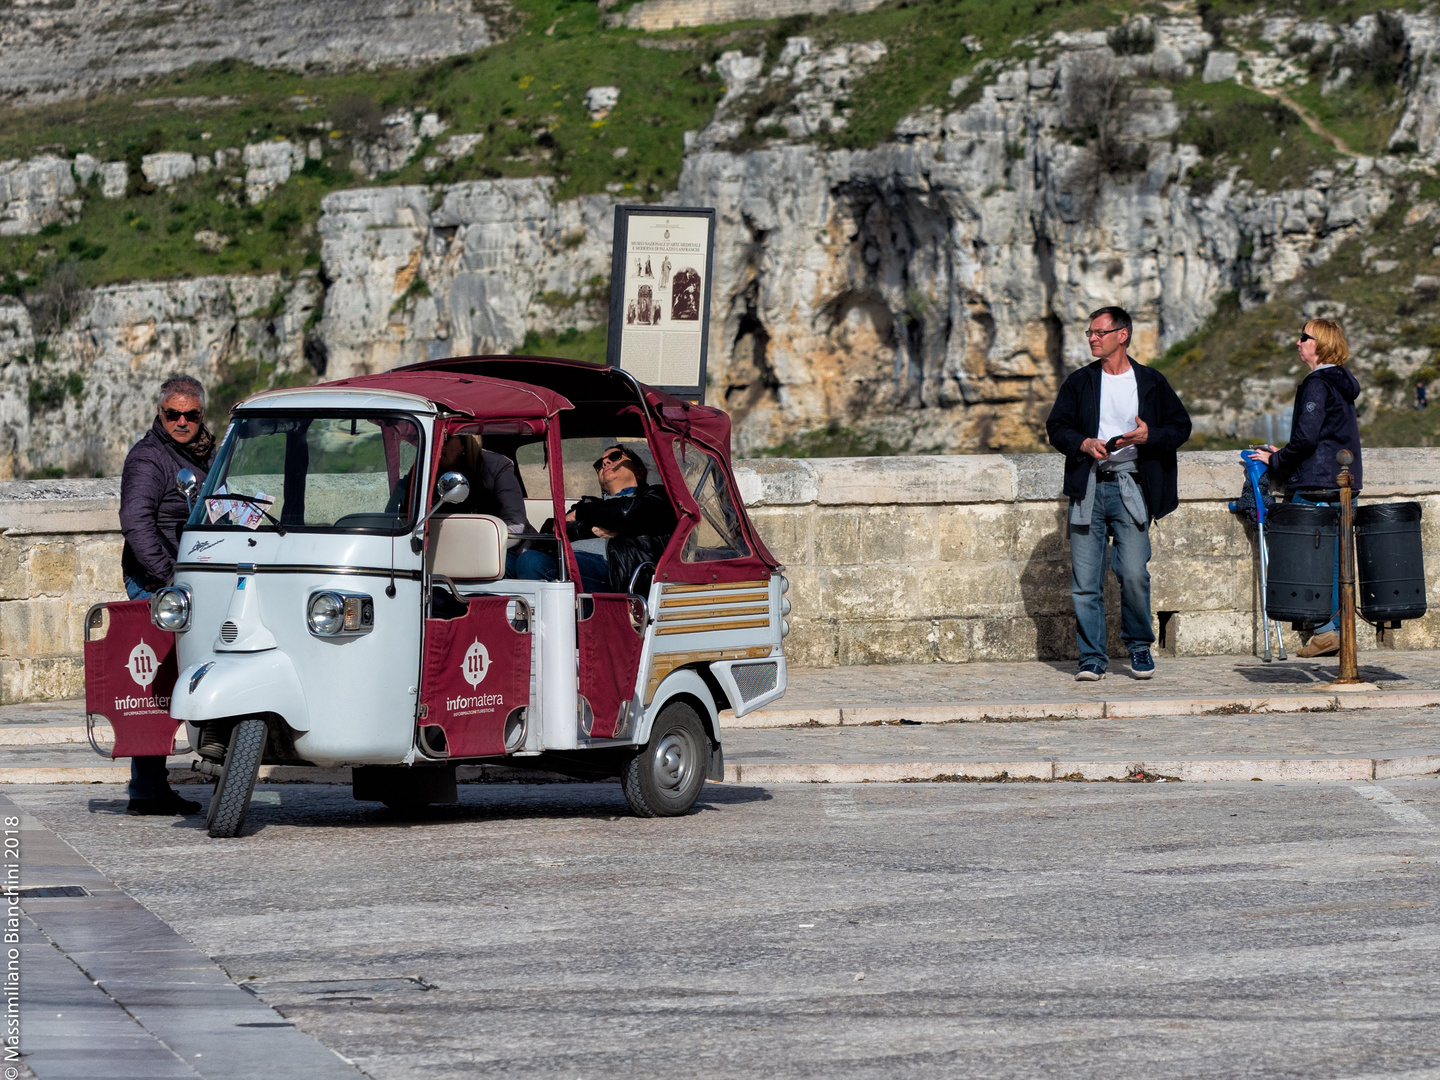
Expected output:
{"points": [[712, 613], [707, 628], [753, 596], [765, 584]]}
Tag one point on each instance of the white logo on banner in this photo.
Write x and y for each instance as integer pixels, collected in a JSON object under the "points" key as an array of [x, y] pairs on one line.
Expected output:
{"points": [[476, 663], [143, 665]]}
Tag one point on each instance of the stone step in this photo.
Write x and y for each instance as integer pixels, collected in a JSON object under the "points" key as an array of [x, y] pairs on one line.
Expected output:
{"points": [[1119, 708], [888, 754]]}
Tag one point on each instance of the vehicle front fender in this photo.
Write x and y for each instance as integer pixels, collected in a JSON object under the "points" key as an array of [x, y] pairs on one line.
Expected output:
{"points": [[241, 684]]}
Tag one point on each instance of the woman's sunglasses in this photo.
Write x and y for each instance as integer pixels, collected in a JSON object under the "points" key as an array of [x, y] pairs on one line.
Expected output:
{"points": [[1304, 337], [609, 459], [193, 415]]}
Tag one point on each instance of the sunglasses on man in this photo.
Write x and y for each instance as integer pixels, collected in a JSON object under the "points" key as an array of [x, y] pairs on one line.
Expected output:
{"points": [[193, 415], [610, 459]]}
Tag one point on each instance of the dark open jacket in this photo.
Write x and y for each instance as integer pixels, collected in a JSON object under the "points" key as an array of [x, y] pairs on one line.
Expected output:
{"points": [[643, 524], [1323, 422], [152, 510], [494, 488], [1076, 417]]}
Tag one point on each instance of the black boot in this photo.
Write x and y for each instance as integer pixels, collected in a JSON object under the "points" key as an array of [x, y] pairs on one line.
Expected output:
{"points": [[171, 803]]}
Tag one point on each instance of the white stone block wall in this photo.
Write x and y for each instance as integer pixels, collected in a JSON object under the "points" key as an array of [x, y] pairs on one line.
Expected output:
{"points": [[891, 560], [951, 559]]}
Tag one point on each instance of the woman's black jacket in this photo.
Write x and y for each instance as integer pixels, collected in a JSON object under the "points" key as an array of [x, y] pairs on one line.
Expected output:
{"points": [[643, 524], [1076, 417], [1323, 422]]}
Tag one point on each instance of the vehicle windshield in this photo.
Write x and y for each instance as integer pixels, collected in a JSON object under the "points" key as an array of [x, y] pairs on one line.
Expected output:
{"points": [[312, 471]]}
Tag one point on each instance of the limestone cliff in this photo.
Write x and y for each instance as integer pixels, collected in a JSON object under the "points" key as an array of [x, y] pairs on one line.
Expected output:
{"points": [[927, 293], [80, 401], [59, 49]]}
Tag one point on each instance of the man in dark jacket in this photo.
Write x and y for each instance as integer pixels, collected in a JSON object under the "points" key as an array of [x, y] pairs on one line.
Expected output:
{"points": [[152, 513], [629, 525], [1118, 423]]}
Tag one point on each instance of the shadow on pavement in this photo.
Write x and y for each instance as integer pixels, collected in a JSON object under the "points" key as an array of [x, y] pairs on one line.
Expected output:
{"points": [[1310, 674], [331, 806]]}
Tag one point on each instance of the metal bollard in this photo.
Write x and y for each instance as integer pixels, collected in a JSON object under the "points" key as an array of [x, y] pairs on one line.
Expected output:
{"points": [[1349, 671]]}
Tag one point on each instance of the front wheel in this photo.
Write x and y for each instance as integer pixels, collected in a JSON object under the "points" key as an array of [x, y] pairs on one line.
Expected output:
{"points": [[664, 779], [231, 798]]}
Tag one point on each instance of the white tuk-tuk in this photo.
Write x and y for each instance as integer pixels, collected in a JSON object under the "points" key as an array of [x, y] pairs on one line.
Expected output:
{"points": [[324, 614]]}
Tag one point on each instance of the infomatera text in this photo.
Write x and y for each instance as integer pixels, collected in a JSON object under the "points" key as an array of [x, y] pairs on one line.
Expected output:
{"points": [[477, 701], [159, 702]]}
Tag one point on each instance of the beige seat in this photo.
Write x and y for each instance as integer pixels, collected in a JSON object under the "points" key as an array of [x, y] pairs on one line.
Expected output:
{"points": [[538, 511], [467, 547]]}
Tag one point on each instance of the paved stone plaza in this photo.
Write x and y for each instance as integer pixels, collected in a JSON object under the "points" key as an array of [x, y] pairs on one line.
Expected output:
{"points": [[1079, 930], [1280, 928]]}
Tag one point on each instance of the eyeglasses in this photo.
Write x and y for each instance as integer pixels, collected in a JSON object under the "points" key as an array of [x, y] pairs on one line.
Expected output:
{"points": [[1304, 337], [1102, 333], [610, 459], [193, 415]]}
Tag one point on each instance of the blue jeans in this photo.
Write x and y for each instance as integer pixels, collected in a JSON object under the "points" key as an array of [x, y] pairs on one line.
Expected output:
{"points": [[1334, 624], [1089, 556], [148, 777], [537, 565]]}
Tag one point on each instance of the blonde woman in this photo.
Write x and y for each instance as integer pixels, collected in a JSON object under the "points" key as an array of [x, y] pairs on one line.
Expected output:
{"points": [[1323, 423]]}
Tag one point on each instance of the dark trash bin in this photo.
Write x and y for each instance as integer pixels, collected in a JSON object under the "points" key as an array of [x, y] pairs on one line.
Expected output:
{"points": [[1301, 580], [1390, 562]]}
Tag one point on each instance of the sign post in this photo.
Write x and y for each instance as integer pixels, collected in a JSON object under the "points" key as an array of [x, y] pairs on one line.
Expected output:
{"points": [[660, 272]]}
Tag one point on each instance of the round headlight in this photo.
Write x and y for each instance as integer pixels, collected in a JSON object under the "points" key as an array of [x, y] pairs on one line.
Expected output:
{"points": [[327, 614], [171, 610]]}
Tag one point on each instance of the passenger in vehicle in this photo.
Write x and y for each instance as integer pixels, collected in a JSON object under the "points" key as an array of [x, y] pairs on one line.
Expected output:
{"points": [[628, 525], [494, 487]]}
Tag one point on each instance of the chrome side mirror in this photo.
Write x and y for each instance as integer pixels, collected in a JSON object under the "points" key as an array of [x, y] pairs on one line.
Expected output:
{"points": [[453, 488], [188, 484]]}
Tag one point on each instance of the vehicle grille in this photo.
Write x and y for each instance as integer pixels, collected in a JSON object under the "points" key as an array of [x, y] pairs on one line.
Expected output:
{"points": [[229, 632], [752, 680]]}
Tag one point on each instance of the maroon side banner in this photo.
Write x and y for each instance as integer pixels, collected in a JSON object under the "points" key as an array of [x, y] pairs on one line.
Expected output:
{"points": [[129, 676], [609, 660], [476, 672]]}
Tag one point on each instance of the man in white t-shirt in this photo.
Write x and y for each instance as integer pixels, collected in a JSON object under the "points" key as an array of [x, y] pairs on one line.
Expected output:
{"points": [[1119, 424]]}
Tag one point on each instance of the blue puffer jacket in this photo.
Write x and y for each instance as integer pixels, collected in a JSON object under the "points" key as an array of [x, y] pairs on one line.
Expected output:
{"points": [[1323, 423]]}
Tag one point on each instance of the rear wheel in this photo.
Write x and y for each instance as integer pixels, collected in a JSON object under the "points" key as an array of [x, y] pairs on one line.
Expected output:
{"points": [[231, 798], [664, 779]]}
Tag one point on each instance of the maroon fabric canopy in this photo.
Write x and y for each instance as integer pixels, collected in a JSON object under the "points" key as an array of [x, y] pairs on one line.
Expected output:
{"points": [[480, 396]]}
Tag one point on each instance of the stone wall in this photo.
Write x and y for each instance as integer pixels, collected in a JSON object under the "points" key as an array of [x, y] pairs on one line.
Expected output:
{"points": [[958, 558], [914, 560], [59, 553]]}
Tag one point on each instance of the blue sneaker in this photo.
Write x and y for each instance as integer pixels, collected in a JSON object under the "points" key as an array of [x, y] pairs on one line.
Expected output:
{"points": [[1090, 672], [1142, 664]]}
